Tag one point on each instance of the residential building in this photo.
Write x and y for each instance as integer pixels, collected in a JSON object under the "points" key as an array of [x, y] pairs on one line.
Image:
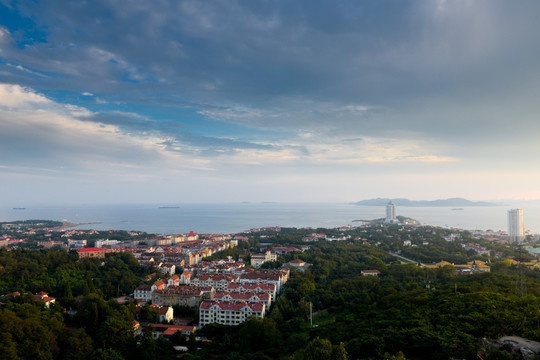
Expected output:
{"points": [[94, 252], [45, 298], [168, 330], [143, 292], [168, 269], [158, 285], [276, 277], [270, 289], [370, 272], [516, 229], [190, 296], [76, 243], [249, 297], [185, 278], [297, 264], [258, 259], [173, 281], [228, 313], [217, 281], [108, 243], [390, 213]]}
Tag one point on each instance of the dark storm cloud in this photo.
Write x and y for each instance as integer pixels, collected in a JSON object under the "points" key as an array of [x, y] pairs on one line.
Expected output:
{"points": [[415, 66]]}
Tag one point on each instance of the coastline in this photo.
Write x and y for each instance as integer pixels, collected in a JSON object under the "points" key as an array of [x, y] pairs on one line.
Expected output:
{"points": [[238, 217]]}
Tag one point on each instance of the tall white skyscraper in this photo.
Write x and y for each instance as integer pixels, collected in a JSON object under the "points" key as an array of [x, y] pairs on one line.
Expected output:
{"points": [[390, 213], [516, 229]]}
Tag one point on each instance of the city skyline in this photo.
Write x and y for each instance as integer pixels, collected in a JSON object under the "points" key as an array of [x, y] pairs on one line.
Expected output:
{"points": [[291, 102]]}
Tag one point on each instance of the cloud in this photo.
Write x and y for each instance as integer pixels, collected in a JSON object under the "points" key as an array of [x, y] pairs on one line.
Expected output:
{"points": [[287, 65], [232, 88], [38, 132]]}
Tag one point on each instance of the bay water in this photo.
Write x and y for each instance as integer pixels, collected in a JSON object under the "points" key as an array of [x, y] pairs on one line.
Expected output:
{"points": [[237, 217]]}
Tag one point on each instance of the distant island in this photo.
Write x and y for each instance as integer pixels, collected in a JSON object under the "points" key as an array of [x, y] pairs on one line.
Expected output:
{"points": [[453, 202]]}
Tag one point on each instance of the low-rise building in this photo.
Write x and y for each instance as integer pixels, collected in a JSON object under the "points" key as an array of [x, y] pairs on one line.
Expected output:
{"points": [[143, 292], [370, 272], [217, 281], [270, 289], [258, 259], [249, 297], [168, 330], [270, 276], [190, 296], [228, 313], [297, 264], [94, 252], [45, 298], [77, 244], [158, 285]]}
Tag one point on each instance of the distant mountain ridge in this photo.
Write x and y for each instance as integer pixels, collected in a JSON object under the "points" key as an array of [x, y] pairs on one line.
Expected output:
{"points": [[427, 203]]}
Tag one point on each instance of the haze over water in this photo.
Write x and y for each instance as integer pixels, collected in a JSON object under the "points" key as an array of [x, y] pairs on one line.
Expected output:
{"points": [[237, 217]]}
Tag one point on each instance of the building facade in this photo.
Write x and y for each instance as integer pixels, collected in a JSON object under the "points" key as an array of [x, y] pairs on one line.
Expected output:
{"points": [[390, 213], [228, 313], [516, 229]]}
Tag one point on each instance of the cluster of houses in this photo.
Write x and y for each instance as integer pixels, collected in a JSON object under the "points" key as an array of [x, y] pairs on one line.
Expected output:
{"points": [[225, 291]]}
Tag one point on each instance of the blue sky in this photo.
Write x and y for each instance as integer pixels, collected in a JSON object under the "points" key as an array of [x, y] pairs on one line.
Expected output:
{"points": [[220, 101]]}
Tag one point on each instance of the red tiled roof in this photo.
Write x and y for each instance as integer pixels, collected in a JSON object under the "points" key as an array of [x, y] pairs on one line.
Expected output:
{"points": [[90, 249], [297, 261], [159, 283], [182, 290], [170, 330]]}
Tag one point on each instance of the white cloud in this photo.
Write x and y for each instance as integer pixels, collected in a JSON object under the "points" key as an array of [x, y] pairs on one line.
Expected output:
{"points": [[36, 132]]}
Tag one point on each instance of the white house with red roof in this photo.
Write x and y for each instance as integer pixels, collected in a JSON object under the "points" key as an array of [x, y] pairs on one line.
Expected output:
{"points": [[45, 298], [168, 330], [158, 285], [173, 281], [185, 278], [370, 272], [297, 264]]}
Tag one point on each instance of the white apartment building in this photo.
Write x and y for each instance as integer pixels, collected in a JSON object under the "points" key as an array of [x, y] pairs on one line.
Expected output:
{"points": [[228, 313], [390, 213], [516, 229]]}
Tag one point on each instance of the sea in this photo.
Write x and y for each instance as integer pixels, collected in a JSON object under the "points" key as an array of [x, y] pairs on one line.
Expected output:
{"points": [[238, 217]]}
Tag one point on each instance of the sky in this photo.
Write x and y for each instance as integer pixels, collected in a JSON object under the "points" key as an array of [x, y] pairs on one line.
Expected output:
{"points": [[289, 101]]}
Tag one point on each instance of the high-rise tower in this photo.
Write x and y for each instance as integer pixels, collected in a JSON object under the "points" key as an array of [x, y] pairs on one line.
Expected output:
{"points": [[390, 213], [516, 229]]}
